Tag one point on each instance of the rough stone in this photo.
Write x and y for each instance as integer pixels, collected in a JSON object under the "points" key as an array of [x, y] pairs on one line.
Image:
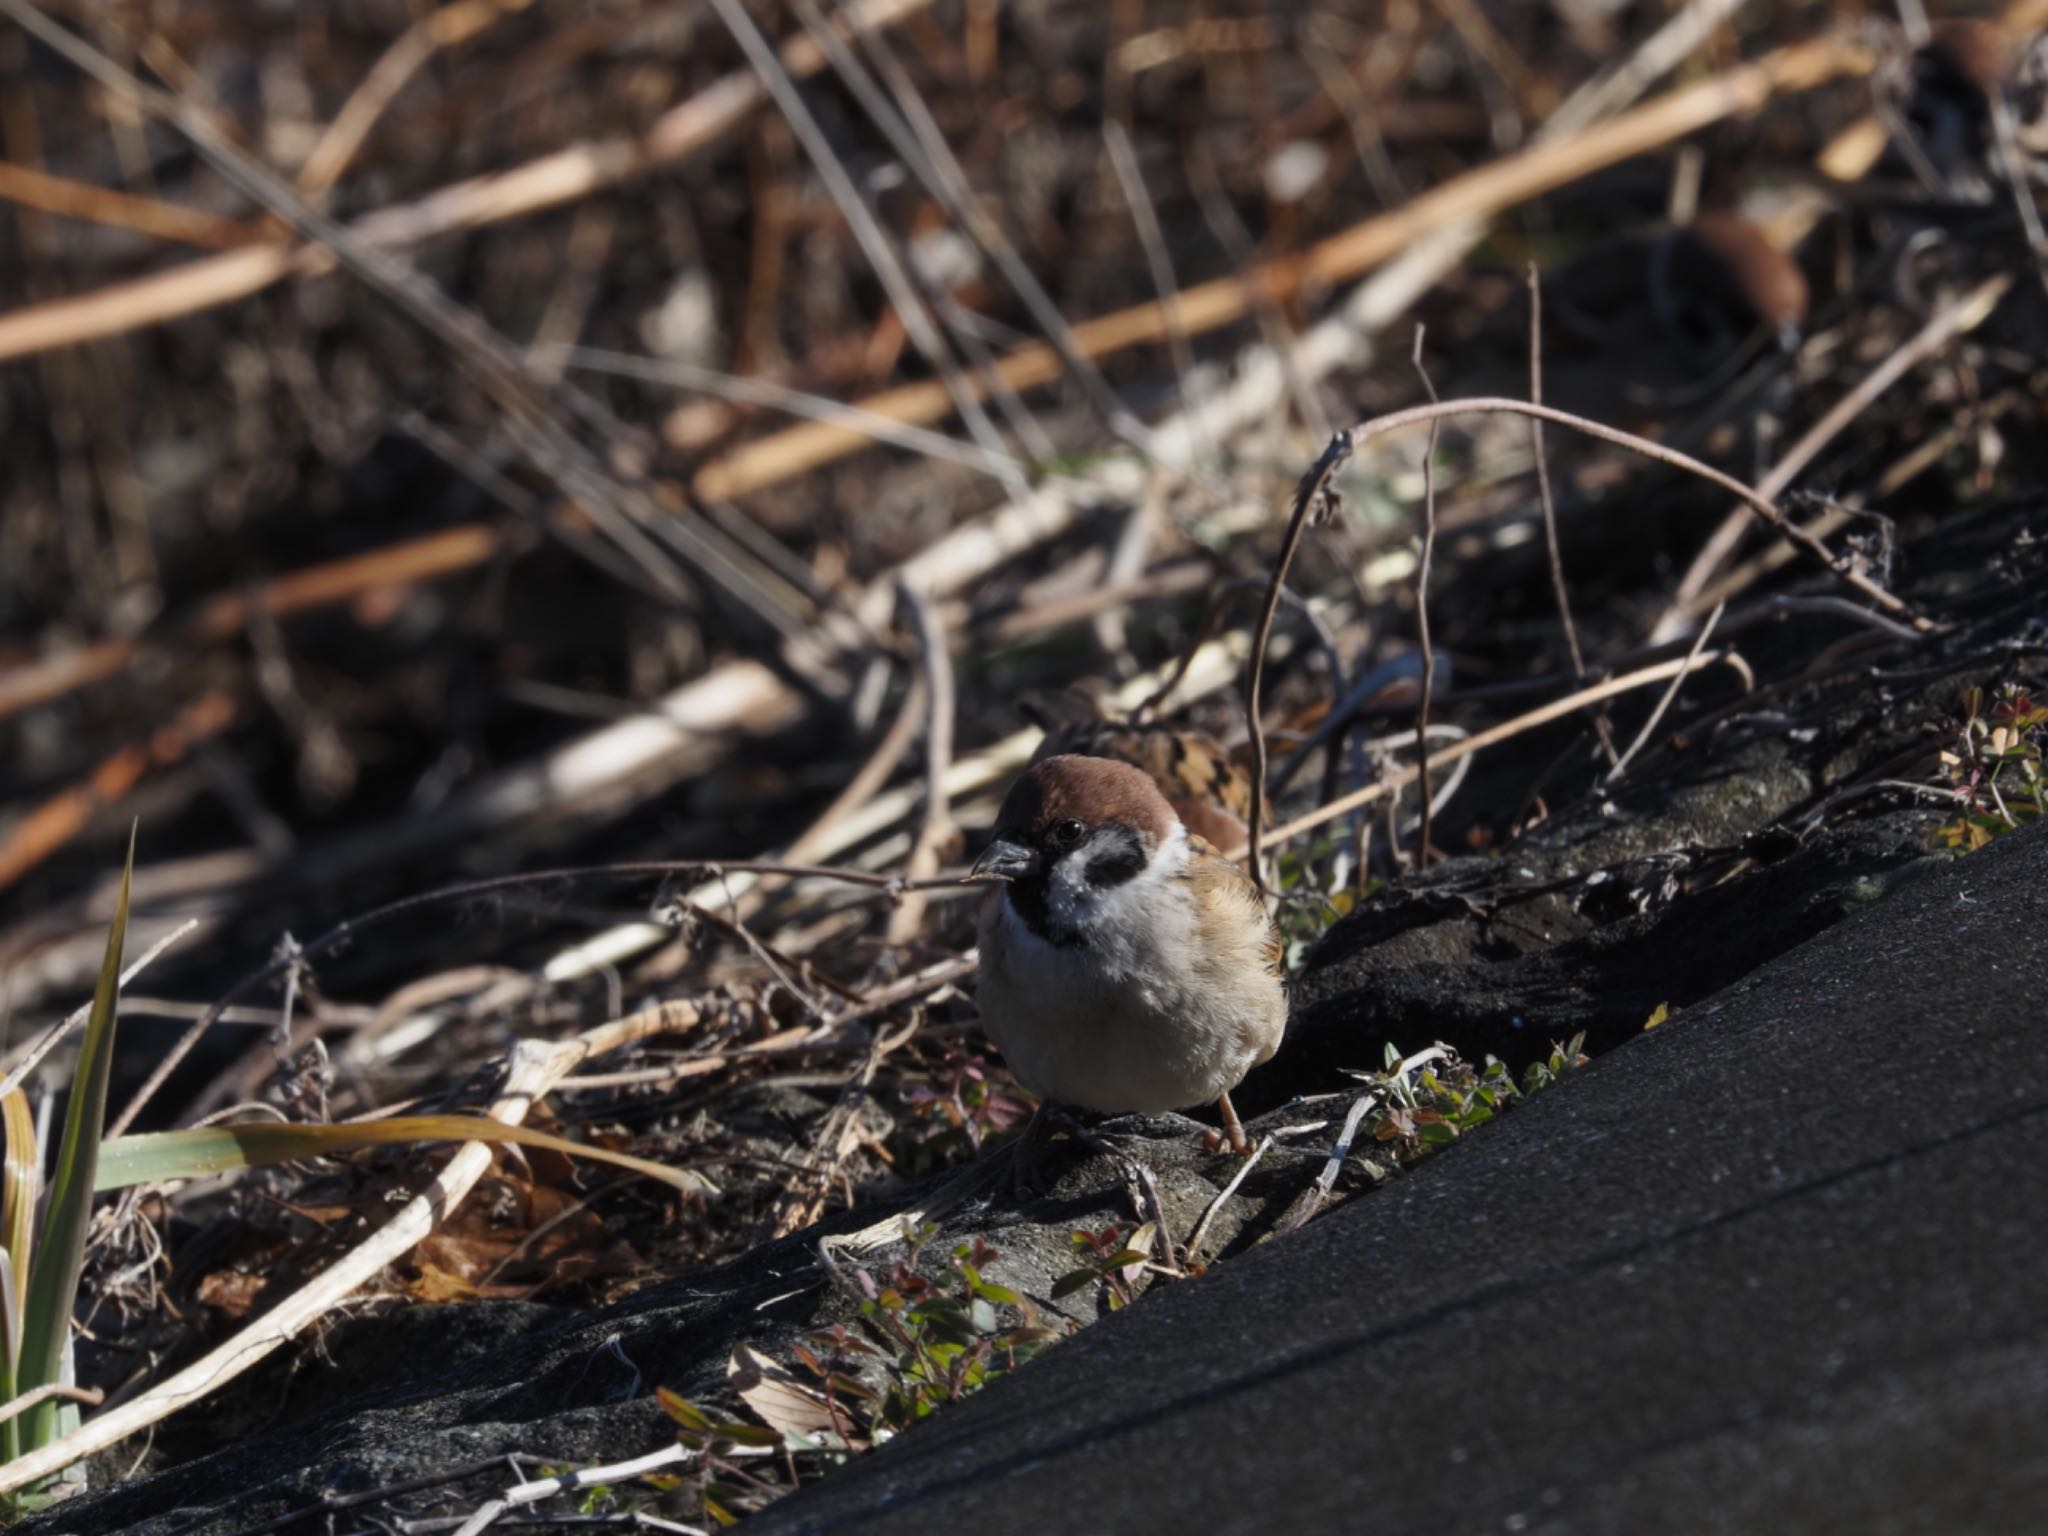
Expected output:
{"points": [[1765, 1268]]}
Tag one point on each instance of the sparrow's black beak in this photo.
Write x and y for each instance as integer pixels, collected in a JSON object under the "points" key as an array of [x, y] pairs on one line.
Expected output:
{"points": [[1008, 860]]}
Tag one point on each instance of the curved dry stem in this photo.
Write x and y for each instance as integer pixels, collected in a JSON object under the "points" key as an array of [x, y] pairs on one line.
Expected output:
{"points": [[1314, 488]]}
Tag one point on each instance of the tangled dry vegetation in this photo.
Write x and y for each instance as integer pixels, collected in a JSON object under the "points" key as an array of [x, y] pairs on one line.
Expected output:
{"points": [[655, 445]]}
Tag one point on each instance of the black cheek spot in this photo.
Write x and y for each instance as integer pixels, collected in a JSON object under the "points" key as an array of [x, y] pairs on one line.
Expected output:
{"points": [[1027, 898], [1115, 866]]}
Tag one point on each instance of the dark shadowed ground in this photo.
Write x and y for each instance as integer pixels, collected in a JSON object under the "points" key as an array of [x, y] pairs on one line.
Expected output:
{"points": [[1774, 1267]]}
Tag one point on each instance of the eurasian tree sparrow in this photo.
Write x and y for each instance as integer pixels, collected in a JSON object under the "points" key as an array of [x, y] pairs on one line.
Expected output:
{"points": [[1126, 965]]}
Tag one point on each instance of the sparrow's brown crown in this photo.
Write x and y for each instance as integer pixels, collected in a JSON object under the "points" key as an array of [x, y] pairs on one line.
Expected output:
{"points": [[1195, 773], [1088, 792]]}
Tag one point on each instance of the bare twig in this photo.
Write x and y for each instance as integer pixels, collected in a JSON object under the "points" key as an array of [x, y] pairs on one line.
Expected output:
{"points": [[1375, 242], [867, 230], [1363, 690], [1310, 1201], [1665, 49], [221, 618], [1551, 544], [31, 188], [46, 828], [880, 885], [449, 27], [1311, 502], [1478, 742], [1314, 487], [814, 841], [795, 402], [935, 829], [1650, 725], [1422, 570], [1223, 1196], [1127, 560], [1959, 316], [909, 124], [1181, 578], [92, 1397], [563, 176], [1123, 160]]}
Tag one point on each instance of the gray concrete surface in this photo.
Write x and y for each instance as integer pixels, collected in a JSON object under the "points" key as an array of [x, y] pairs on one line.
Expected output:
{"points": [[1779, 1266]]}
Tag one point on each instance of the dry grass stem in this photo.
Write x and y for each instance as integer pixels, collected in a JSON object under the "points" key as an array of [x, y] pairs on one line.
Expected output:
{"points": [[1958, 317], [1479, 741], [30, 188], [533, 1071], [1423, 566], [935, 831], [1649, 729], [550, 181]]}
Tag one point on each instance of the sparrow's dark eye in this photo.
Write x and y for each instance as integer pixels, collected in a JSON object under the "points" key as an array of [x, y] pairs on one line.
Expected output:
{"points": [[1064, 834]]}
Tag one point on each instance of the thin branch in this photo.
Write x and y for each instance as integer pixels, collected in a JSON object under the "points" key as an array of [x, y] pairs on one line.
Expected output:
{"points": [[1003, 466], [1123, 160], [909, 124], [448, 27], [1650, 725], [474, 890], [1542, 715], [223, 617], [1422, 569], [1551, 543], [562, 176], [867, 230], [92, 1397], [1311, 502], [1958, 317], [1312, 495], [1223, 1195], [56, 1032], [30, 188], [935, 828]]}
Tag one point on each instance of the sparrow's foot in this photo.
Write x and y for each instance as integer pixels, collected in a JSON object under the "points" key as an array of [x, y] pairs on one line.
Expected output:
{"points": [[1232, 1135], [1032, 1154]]}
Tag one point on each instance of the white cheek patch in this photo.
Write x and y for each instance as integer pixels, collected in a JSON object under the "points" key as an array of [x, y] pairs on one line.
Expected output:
{"points": [[1074, 905]]}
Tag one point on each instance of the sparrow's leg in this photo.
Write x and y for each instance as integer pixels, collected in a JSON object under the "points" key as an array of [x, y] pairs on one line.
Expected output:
{"points": [[1033, 1151], [1233, 1128], [1025, 1158]]}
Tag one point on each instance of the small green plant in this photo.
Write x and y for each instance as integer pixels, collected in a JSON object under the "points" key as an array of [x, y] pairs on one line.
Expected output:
{"points": [[1434, 1104], [1305, 910], [917, 1344], [1109, 1259], [937, 1341], [39, 1276], [956, 1107], [719, 1487], [1995, 767]]}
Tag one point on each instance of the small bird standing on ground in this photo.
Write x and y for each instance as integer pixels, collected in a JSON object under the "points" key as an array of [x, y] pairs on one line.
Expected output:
{"points": [[1126, 965]]}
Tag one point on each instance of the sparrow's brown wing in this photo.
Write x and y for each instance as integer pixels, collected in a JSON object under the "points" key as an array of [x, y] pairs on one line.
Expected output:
{"points": [[1220, 883]]}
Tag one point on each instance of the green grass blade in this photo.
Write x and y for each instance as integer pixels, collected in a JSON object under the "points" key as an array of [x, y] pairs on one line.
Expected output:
{"points": [[18, 1186], [209, 1149], [60, 1252]]}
